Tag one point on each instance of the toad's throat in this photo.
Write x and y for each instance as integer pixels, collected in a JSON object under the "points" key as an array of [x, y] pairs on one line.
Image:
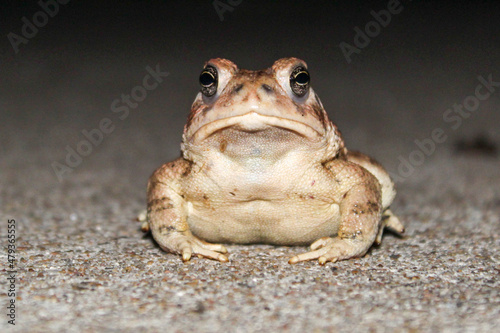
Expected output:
{"points": [[255, 122]]}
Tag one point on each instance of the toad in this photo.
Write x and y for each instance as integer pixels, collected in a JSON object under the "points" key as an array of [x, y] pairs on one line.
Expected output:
{"points": [[262, 163]]}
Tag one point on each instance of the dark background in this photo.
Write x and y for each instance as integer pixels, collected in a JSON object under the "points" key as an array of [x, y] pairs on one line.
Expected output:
{"points": [[395, 91], [83, 263]]}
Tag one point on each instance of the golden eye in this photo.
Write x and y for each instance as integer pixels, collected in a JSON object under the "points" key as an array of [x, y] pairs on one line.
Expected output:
{"points": [[208, 81], [299, 81]]}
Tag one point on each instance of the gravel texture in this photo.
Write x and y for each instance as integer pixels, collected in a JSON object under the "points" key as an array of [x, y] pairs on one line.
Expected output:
{"points": [[83, 265]]}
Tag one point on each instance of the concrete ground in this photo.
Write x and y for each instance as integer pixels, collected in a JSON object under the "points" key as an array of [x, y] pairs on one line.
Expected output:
{"points": [[82, 263]]}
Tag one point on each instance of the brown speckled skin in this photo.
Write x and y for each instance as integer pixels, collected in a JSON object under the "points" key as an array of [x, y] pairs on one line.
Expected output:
{"points": [[262, 165]]}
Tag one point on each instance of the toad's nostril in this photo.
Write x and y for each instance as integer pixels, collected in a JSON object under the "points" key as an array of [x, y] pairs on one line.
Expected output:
{"points": [[267, 88], [237, 88]]}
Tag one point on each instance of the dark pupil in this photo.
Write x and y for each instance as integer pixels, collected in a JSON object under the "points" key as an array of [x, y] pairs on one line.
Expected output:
{"points": [[206, 79], [302, 78]]}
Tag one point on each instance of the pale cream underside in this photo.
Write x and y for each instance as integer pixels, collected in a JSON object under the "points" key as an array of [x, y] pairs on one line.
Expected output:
{"points": [[267, 185]]}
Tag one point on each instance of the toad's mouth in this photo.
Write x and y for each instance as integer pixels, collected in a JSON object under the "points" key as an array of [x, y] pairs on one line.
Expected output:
{"points": [[255, 122]]}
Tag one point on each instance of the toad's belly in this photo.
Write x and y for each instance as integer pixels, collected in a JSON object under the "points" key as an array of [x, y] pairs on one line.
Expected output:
{"points": [[281, 222]]}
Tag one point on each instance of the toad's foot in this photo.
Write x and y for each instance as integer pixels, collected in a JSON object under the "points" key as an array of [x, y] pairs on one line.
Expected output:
{"points": [[332, 249], [391, 221], [143, 218], [186, 244]]}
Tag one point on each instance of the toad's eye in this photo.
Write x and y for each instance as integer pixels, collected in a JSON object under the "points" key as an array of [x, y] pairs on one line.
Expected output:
{"points": [[208, 81], [299, 81]]}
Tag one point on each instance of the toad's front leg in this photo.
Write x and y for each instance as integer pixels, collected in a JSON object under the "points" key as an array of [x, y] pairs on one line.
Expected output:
{"points": [[167, 215], [360, 218]]}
